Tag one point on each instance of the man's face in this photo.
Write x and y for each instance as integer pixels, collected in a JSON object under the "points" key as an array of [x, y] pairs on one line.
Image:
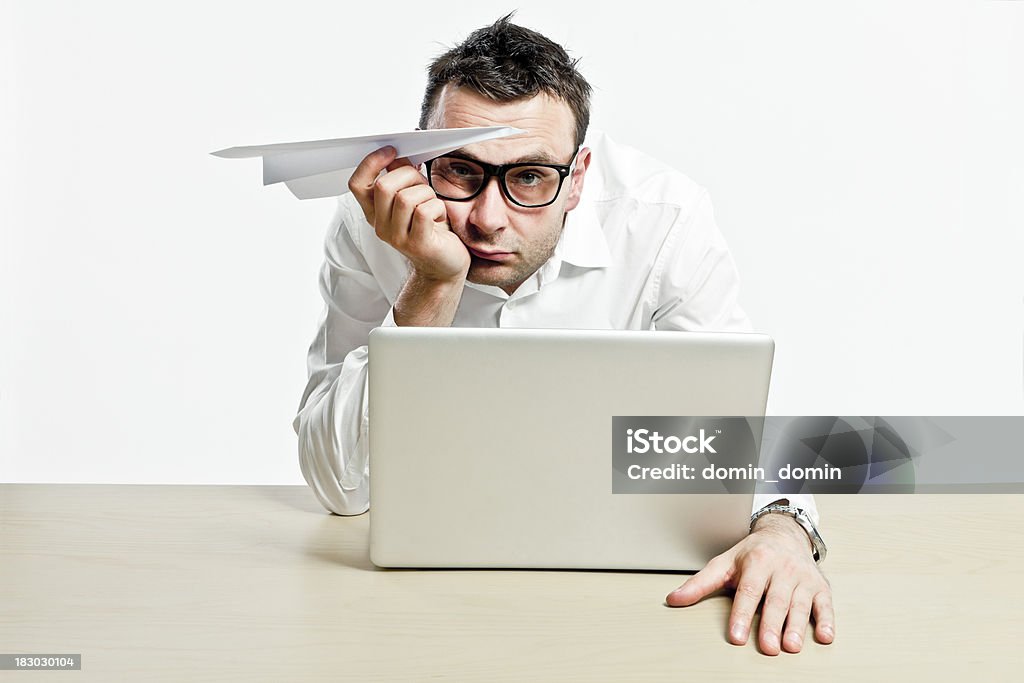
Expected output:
{"points": [[508, 243]]}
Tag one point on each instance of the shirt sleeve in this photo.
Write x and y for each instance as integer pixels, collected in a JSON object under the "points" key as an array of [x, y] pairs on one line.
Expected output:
{"points": [[697, 290], [332, 423]]}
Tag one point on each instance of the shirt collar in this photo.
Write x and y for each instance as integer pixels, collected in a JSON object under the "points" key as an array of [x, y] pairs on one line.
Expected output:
{"points": [[582, 242]]}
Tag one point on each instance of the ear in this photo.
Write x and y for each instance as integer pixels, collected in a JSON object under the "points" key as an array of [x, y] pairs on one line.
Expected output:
{"points": [[576, 180]]}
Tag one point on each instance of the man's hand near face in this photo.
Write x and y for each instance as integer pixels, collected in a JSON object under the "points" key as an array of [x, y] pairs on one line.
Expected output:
{"points": [[407, 214], [774, 562]]}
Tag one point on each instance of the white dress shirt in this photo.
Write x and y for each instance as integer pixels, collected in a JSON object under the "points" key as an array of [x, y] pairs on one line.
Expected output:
{"points": [[641, 251]]}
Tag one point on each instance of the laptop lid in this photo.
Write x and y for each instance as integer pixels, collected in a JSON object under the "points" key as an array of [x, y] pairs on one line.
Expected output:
{"points": [[493, 447]]}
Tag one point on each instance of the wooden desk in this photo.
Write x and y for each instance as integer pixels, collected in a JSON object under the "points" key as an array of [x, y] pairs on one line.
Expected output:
{"points": [[247, 583]]}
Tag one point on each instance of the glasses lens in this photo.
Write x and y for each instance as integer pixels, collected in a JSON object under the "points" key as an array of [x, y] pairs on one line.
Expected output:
{"points": [[455, 178], [532, 185]]}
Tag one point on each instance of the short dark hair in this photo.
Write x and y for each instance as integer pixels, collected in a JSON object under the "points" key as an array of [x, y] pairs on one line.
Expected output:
{"points": [[506, 62]]}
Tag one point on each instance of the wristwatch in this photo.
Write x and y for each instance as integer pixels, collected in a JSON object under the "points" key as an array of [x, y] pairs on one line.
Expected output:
{"points": [[802, 518]]}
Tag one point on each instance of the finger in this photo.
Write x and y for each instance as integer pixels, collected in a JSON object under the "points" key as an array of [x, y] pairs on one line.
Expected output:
{"points": [[385, 190], [362, 179], [749, 589], [824, 617], [714, 576], [399, 163], [426, 216], [773, 614], [405, 205], [796, 622]]}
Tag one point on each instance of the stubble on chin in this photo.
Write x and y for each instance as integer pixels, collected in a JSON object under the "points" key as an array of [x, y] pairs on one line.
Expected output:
{"points": [[496, 276], [506, 275]]}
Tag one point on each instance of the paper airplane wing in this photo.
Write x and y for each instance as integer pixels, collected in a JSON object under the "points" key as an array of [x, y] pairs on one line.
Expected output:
{"points": [[321, 168]]}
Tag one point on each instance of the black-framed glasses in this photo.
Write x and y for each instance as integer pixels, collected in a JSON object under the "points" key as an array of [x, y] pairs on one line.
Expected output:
{"points": [[530, 185]]}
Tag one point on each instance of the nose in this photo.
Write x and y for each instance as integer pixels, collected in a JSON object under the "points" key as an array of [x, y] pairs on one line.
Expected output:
{"points": [[489, 213]]}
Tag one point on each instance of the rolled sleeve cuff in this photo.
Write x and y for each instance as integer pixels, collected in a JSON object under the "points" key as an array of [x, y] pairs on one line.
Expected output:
{"points": [[805, 501]]}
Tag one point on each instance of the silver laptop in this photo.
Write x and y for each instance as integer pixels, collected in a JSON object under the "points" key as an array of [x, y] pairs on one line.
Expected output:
{"points": [[492, 447]]}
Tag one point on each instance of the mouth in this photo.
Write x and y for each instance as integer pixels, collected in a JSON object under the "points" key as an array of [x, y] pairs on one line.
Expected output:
{"points": [[496, 256]]}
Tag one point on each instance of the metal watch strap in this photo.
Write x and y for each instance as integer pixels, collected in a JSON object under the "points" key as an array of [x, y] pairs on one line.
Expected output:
{"points": [[803, 519]]}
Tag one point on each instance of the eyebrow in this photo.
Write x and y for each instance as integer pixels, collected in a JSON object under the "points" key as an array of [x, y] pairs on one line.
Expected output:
{"points": [[531, 158]]}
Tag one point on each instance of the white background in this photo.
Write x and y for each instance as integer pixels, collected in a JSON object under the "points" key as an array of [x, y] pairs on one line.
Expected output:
{"points": [[156, 303]]}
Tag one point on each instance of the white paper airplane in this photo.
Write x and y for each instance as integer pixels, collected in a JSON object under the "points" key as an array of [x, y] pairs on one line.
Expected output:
{"points": [[321, 168]]}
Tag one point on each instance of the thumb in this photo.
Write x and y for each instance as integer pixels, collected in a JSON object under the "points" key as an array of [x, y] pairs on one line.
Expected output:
{"points": [[711, 578]]}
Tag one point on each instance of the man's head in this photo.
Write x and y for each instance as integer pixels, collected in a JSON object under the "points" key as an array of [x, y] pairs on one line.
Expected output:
{"points": [[504, 74], [504, 62]]}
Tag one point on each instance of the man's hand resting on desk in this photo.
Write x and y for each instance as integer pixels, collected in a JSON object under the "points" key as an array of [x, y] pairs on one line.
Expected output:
{"points": [[774, 562]]}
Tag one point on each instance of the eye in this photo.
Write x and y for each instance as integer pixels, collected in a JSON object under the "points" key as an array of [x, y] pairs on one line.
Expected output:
{"points": [[460, 170], [528, 178]]}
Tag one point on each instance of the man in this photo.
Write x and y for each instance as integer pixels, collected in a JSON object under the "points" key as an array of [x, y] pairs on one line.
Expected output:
{"points": [[499, 234]]}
